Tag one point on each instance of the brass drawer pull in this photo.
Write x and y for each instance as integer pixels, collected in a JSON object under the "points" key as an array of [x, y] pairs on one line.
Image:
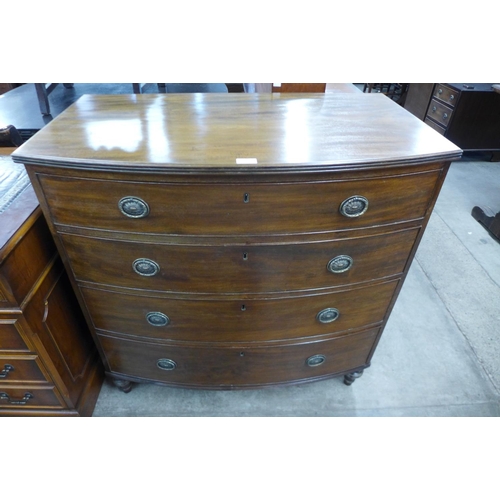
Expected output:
{"points": [[445, 115], [434, 109], [157, 319], [340, 264], [354, 206], [133, 207], [5, 372], [328, 315], [26, 398], [166, 364], [316, 360], [146, 267]]}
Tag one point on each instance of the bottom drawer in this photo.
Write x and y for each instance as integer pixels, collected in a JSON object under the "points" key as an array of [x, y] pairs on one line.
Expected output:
{"points": [[13, 398], [237, 367]]}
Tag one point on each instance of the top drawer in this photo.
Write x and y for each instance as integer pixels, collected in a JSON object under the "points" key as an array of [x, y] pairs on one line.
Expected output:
{"points": [[229, 209], [445, 94]]}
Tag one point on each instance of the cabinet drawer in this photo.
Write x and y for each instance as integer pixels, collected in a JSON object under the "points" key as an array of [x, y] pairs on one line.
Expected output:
{"points": [[237, 366], [15, 369], [10, 337], [239, 320], [17, 398], [435, 126], [226, 269], [237, 209], [439, 112], [445, 94]]}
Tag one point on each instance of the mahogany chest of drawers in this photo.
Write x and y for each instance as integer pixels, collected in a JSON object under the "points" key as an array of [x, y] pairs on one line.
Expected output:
{"points": [[49, 365], [237, 240]]}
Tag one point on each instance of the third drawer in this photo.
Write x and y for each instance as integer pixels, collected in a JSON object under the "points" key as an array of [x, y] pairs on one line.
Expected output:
{"points": [[239, 320]]}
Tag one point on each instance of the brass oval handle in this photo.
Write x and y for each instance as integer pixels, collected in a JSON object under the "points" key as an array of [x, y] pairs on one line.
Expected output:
{"points": [[340, 264], [133, 207], [452, 97], [354, 206], [166, 364], [328, 315], [434, 109], [440, 91], [6, 370], [316, 360], [146, 267], [445, 115], [157, 319], [26, 398]]}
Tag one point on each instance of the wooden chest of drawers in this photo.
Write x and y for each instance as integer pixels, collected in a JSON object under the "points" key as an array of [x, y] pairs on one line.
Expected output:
{"points": [[240, 240], [468, 114], [48, 361]]}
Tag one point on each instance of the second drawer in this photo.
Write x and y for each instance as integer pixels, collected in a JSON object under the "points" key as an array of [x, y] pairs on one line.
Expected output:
{"points": [[239, 269]]}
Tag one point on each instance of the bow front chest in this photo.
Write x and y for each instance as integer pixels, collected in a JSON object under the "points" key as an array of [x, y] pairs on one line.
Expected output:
{"points": [[236, 240]]}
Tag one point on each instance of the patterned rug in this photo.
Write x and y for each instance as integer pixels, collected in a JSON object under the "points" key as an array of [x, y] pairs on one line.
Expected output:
{"points": [[13, 181]]}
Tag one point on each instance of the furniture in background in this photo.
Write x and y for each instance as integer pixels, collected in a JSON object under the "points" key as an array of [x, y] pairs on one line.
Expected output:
{"points": [[395, 91], [490, 222], [298, 87], [240, 240], [48, 361], [468, 114], [43, 91]]}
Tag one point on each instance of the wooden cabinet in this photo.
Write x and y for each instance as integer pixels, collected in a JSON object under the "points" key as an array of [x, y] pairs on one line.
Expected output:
{"points": [[48, 360], [240, 240], [468, 114]]}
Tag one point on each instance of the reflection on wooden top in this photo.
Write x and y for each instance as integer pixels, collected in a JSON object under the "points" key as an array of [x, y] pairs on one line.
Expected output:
{"points": [[250, 132]]}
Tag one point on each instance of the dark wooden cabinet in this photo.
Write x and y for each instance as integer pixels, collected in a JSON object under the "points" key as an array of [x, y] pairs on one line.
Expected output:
{"points": [[468, 114], [240, 240], [48, 360]]}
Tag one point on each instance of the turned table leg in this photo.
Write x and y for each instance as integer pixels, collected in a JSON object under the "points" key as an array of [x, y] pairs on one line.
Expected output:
{"points": [[351, 377]]}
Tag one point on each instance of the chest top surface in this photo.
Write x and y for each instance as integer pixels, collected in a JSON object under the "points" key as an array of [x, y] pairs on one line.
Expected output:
{"points": [[234, 132]]}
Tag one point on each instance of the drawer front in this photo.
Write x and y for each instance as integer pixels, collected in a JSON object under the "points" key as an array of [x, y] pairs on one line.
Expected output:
{"points": [[439, 112], [237, 209], [10, 337], [435, 126], [15, 369], [237, 367], [239, 320], [17, 398], [445, 94], [225, 269]]}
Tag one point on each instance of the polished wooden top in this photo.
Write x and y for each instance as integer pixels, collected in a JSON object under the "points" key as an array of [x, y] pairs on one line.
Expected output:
{"points": [[235, 132]]}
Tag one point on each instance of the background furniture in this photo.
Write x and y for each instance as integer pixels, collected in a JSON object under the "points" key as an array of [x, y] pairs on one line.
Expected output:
{"points": [[48, 361], [244, 240], [468, 114]]}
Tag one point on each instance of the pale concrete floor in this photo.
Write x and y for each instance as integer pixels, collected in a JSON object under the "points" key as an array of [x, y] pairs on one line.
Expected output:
{"points": [[440, 352]]}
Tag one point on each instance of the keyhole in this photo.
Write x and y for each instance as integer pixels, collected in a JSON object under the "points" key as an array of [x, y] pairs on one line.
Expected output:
{"points": [[242, 354], [243, 307], [245, 256], [246, 198]]}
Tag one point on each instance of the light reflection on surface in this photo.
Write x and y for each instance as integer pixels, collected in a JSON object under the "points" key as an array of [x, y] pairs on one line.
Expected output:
{"points": [[296, 139], [157, 134], [114, 134]]}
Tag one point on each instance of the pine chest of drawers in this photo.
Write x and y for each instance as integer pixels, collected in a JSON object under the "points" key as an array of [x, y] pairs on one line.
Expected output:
{"points": [[237, 240]]}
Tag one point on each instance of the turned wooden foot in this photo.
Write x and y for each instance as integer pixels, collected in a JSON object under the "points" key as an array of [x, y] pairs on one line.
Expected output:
{"points": [[123, 385], [351, 377]]}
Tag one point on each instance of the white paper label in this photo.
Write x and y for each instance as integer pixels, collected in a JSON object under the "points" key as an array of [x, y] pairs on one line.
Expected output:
{"points": [[276, 84], [241, 161]]}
